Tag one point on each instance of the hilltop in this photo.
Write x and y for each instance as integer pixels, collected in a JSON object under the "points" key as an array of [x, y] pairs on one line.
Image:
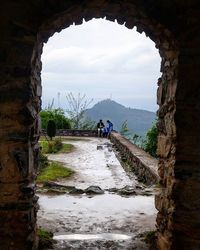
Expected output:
{"points": [[139, 121]]}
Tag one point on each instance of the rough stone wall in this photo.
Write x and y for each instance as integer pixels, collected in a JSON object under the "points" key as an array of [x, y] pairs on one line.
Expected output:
{"points": [[174, 27], [19, 106], [74, 132], [178, 144], [144, 165]]}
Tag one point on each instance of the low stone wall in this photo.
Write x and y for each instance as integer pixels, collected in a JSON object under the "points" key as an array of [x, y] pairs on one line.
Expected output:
{"points": [[144, 165], [73, 132]]}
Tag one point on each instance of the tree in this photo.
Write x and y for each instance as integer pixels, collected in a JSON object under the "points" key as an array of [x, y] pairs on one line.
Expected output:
{"points": [[150, 142], [76, 109], [51, 129], [57, 115], [126, 132], [137, 139], [87, 123]]}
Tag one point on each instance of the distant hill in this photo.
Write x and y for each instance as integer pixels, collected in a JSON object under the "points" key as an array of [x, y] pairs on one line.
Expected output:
{"points": [[139, 121]]}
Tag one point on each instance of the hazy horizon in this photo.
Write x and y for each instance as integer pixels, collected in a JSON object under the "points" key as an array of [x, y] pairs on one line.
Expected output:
{"points": [[56, 106]]}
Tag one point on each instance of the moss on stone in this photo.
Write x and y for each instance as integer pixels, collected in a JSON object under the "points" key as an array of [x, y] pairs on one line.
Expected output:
{"points": [[45, 239]]}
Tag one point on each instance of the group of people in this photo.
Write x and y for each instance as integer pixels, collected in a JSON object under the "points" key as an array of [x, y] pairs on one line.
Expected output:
{"points": [[104, 131]]}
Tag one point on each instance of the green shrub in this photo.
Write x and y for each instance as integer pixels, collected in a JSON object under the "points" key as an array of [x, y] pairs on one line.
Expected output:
{"points": [[150, 142], [58, 144], [50, 149], [58, 115]]}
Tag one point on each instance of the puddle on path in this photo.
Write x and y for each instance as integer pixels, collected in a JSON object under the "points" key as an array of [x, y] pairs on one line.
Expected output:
{"points": [[107, 204], [107, 213], [105, 236]]}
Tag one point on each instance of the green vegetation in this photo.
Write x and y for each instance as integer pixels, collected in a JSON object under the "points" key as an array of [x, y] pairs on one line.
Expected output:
{"points": [[128, 134], [54, 171], [45, 239], [150, 142], [66, 148], [125, 131], [58, 115], [55, 146], [149, 237], [76, 108]]}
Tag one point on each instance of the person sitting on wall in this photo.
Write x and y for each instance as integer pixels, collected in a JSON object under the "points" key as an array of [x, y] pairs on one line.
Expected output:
{"points": [[104, 132], [100, 127], [109, 128]]}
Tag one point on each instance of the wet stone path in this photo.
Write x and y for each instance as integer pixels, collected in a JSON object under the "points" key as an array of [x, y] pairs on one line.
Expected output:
{"points": [[104, 221]]}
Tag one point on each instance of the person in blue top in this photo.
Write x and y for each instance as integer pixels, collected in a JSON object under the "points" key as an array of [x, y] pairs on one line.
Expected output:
{"points": [[109, 128]]}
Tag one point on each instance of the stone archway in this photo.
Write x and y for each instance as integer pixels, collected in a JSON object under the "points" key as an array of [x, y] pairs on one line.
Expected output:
{"points": [[24, 31]]}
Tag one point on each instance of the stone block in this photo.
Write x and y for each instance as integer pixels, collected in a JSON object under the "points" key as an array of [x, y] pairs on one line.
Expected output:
{"points": [[164, 146]]}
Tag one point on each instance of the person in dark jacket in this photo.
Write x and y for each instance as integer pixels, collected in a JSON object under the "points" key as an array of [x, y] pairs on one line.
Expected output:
{"points": [[100, 127]]}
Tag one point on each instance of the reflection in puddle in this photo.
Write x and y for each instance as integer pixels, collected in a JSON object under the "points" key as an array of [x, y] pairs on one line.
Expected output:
{"points": [[105, 204], [105, 236]]}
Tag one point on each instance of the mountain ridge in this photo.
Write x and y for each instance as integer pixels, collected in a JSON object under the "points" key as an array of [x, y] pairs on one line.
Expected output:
{"points": [[139, 121]]}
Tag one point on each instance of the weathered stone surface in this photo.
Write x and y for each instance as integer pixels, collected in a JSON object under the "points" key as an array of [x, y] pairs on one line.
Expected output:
{"points": [[127, 190], [99, 147], [93, 190], [144, 165], [163, 146]]}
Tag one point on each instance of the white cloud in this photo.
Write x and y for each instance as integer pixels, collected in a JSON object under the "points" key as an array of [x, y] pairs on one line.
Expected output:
{"points": [[99, 58]]}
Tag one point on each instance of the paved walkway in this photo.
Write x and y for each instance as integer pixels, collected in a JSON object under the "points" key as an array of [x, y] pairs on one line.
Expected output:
{"points": [[107, 221], [94, 163]]}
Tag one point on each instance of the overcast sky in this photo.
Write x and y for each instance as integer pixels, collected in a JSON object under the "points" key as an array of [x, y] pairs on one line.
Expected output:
{"points": [[103, 60]]}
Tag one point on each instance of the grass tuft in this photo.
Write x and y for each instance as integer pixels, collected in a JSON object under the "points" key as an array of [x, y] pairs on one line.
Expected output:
{"points": [[66, 148], [55, 147], [45, 239], [42, 233], [149, 237], [54, 171]]}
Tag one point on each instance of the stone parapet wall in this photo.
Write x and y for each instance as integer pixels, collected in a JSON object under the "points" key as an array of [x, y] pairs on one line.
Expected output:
{"points": [[144, 165], [73, 132]]}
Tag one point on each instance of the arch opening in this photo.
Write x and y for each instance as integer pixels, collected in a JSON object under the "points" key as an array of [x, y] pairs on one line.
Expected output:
{"points": [[68, 87]]}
